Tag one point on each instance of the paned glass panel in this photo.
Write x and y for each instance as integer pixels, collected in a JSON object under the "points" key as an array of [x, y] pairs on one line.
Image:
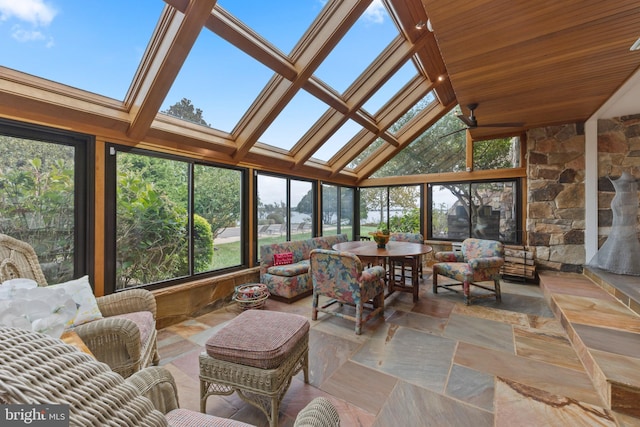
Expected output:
{"points": [[219, 82], [217, 218], [329, 209], [152, 242], [302, 207], [374, 202], [282, 22], [338, 140], [347, 212], [431, 152], [63, 42], [37, 191], [294, 121], [449, 211], [345, 63], [493, 154], [272, 210], [391, 87], [494, 211], [404, 209], [362, 157]]}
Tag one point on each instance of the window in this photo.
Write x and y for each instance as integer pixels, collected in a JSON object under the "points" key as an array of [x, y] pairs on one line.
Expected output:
{"points": [[173, 218], [396, 209], [337, 210], [286, 208], [486, 210], [496, 153], [43, 195]]}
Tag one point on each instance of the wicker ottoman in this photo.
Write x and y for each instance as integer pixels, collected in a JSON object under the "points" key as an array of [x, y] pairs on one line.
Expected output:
{"points": [[256, 355]]}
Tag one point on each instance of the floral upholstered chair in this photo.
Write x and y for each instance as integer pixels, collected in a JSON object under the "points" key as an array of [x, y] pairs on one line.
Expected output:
{"points": [[479, 261], [412, 238], [340, 276]]}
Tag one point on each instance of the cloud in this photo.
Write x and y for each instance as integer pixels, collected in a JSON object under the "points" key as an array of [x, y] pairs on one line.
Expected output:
{"points": [[36, 12], [375, 12]]}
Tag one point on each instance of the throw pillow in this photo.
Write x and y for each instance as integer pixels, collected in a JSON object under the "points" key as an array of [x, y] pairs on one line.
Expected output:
{"points": [[283, 258], [82, 294]]}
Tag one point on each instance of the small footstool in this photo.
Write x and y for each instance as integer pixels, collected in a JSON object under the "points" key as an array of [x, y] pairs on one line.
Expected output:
{"points": [[256, 355]]}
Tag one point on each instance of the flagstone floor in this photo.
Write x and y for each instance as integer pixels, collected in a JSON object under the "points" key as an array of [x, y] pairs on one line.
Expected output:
{"points": [[435, 362]]}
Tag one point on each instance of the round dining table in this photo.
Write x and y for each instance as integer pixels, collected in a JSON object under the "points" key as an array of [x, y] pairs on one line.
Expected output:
{"points": [[395, 253]]}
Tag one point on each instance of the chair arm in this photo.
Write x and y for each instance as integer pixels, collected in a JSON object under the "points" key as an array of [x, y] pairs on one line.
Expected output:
{"points": [[448, 256], [372, 274], [486, 262], [127, 302], [157, 384], [320, 412], [114, 341]]}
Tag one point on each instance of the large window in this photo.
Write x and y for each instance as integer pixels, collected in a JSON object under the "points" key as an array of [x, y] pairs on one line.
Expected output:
{"points": [[286, 209], [43, 196], [486, 210], [338, 210], [174, 218], [396, 209]]}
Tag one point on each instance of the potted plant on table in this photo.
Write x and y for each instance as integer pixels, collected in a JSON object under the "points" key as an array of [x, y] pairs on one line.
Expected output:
{"points": [[381, 237]]}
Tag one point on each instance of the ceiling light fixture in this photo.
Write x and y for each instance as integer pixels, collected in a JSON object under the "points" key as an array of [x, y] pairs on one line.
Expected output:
{"points": [[636, 45], [421, 25], [429, 27]]}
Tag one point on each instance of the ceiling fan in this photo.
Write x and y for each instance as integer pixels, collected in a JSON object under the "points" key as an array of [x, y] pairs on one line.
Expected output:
{"points": [[472, 122]]}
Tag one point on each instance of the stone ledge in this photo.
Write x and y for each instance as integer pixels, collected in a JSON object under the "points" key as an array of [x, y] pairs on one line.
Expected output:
{"points": [[605, 334]]}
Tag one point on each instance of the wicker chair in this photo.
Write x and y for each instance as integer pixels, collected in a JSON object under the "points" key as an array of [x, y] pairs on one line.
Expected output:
{"points": [[38, 369], [116, 338]]}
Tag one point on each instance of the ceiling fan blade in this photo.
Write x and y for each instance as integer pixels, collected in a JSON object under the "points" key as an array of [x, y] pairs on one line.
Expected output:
{"points": [[451, 133], [502, 125]]}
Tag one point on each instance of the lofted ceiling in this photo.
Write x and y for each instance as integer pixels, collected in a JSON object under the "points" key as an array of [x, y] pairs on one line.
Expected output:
{"points": [[536, 63]]}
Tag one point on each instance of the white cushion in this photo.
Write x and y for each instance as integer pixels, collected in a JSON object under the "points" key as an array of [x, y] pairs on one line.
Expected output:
{"points": [[82, 294]]}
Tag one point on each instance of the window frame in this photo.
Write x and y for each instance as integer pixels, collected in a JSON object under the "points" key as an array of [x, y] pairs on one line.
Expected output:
{"points": [[111, 150], [84, 184]]}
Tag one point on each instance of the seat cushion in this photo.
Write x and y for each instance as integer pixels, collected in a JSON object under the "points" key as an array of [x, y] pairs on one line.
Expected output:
{"points": [[290, 270], [145, 322], [258, 338], [187, 418]]}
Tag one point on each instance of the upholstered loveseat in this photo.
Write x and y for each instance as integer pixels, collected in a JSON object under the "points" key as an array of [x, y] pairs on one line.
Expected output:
{"points": [[290, 280]]}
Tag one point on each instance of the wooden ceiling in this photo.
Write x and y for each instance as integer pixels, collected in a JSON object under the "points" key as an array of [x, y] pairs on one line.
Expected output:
{"points": [[536, 62]]}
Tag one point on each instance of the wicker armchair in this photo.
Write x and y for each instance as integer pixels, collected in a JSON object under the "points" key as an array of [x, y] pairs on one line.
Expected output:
{"points": [[37, 369], [116, 338]]}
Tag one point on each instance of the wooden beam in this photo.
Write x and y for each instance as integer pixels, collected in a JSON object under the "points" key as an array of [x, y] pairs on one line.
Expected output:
{"points": [[172, 42]]}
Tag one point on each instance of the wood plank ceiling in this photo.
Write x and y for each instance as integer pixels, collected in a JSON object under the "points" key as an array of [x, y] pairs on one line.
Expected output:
{"points": [[539, 63]]}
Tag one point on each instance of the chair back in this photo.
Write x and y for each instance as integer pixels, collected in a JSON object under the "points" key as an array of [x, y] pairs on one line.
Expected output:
{"points": [[335, 274], [481, 248], [407, 237], [19, 260]]}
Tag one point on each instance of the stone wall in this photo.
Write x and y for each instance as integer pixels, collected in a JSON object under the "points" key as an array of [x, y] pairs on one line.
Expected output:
{"points": [[556, 199], [618, 151]]}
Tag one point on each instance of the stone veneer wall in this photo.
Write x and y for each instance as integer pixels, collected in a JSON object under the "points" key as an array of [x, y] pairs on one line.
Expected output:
{"points": [[555, 200], [618, 150]]}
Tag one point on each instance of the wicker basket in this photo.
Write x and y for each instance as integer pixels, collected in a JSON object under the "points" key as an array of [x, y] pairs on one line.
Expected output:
{"points": [[252, 295]]}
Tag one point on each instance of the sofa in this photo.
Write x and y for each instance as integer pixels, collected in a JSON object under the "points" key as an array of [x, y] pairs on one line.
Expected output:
{"points": [[284, 267]]}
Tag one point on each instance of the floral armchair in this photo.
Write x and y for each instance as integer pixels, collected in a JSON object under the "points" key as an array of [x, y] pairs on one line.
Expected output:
{"points": [[123, 335], [479, 261], [340, 276]]}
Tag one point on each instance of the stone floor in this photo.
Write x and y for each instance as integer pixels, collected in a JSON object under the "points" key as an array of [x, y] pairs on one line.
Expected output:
{"points": [[436, 362]]}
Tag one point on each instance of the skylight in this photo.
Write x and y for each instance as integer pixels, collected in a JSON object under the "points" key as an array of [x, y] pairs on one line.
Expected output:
{"points": [[352, 55], [391, 87], [343, 135], [62, 41]]}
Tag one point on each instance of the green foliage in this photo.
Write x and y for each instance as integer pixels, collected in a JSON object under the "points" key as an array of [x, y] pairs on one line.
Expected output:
{"points": [[185, 110], [217, 196], [407, 223], [37, 201], [202, 245], [275, 218], [151, 235]]}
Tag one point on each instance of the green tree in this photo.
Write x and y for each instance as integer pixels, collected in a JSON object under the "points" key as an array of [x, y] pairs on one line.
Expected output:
{"points": [[185, 110], [217, 196]]}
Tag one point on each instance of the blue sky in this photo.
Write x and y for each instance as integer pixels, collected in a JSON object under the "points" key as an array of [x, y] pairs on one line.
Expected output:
{"points": [[97, 46]]}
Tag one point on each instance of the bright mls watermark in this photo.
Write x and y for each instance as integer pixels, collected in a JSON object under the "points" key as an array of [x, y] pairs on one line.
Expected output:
{"points": [[34, 415]]}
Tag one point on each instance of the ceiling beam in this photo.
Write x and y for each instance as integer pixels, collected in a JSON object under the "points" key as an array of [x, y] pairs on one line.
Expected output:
{"points": [[175, 36]]}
